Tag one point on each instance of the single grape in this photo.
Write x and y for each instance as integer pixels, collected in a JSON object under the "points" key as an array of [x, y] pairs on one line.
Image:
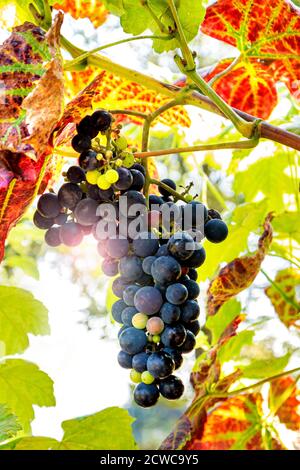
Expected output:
{"points": [[123, 328], [88, 160], [129, 293], [131, 268], [130, 199], [192, 288], [112, 176], [85, 127], [147, 378], [139, 167], [197, 258], [193, 326], [189, 343], [92, 176], [135, 376], [128, 314], [155, 325], [117, 310], [125, 360], [110, 267], [147, 263], [138, 180], [146, 395], [69, 195], [117, 247], [176, 294], [42, 222], [145, 244], [171, 388], [165, 269], [213, 214], [148, 300], [145, 280], [125, 179], [86, 212], [60, 219], [118, 286], [168, 182], [52, 237], [75, 174], [71, 234], [139, 321], [160, 364], [101, 120], [176, 356], [156, 339], [216, 231], [103, 183], [49, 205], [128, 160], [170, 313], [162, 251], [121, 143], [173, 335], [190, 311], [139, 361], [106, 195], [155, 202], [193, 275], [81, 142], [132, 340], [181, 245]]}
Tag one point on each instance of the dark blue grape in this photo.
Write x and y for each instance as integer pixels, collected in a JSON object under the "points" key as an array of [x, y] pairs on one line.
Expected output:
{"points": [[101, 120], [117, 247], [216, 231], [160, 364], [118, 286], [69, 195], [117, 310], [42, 222], [162, 251], [155, 202], [138, 180], [173, 336], [176, 356], [139, 167], [193, 274], [60, 219], [170, 313], [86, 212], [71, 234], [132, 340], [168, 182], [131, 268], [192, 288], [147, 263], [81, 142], [146, 395], [197, 258], [75, 174], [181, 246], [129, 293], [110, 267], [88, 160], [52, 237], [213, 214], [165, 269], [176, 293], [171, 388], [145, 244], [125, 360], [49, 205], [193, 326], [125, 179], [190, 311], [139, 361], [127, 315], [145, 280], [189, 343], [86, 127], [148, 300]]}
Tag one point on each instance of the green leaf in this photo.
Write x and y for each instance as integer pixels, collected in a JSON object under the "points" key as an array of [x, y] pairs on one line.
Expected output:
{"points": [[20, 314], [265, 367], [243, 220], [136, 18], [9, 425], [218, 323], [37, 443], [22, 385], [266, 177], [26, 263], [107, 429], [232, 348], [287, 225]]}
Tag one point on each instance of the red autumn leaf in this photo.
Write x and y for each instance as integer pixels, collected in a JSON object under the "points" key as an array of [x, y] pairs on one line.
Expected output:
{"points": [[239, 274], [287, 280], [93, 10], [27, 123], [248, 86], [235, 424], [284, 400], [267, 34]]}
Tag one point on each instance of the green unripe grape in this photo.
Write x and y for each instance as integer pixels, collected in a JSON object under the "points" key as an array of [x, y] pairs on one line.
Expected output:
{"points": [[135, 376], [147, 378], [108, 154], [92, 176], [118, 162], [156, 339], [155, 325], [99, 156], [188, 198], [139, 321], [128, 160], [121, 143], [112, 176], [103, 183]]}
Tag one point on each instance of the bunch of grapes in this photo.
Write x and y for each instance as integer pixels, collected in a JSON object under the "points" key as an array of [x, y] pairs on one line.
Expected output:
{"points": [[155, 268]]}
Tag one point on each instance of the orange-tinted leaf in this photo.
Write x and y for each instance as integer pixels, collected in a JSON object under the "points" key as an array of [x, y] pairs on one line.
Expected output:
{"points": [[234, 424], [93, 10], [285, 400], [239, 274], [111, 92], [267, 33], [287, 280], [248, 87], [31, 73], [179, 436]]}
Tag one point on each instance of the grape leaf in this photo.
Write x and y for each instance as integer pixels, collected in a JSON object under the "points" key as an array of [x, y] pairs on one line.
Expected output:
{"points": [[95, 11], [235, 424], [179, 436], [20, 314], [226, 314], [232, 348], [284, 401], [23, 385], [136, 18], [26, 263], [9, 425], [287, 280], [109, 91], [265, 175], [286, 225], [266, 32], [239, 274], [260, 368], [31, 74]]}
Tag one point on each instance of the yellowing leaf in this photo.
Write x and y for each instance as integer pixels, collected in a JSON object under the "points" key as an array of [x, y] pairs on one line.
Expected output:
{"points": [[94, 10], [20, 314], [9, 425]]}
